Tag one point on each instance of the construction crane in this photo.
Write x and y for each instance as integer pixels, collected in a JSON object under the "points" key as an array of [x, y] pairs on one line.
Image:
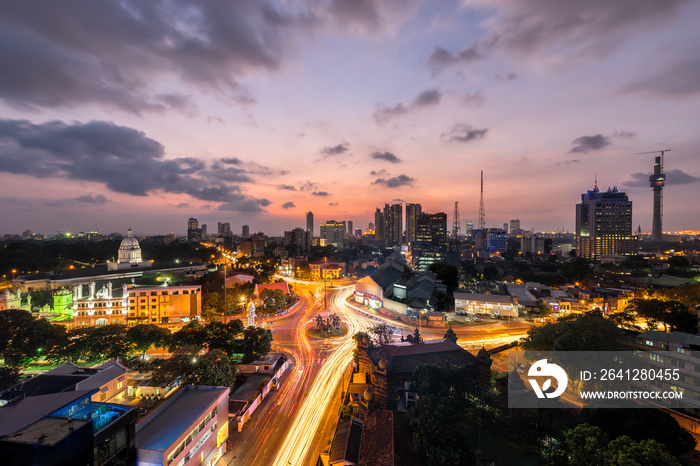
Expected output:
{"points": [[657, 181]]}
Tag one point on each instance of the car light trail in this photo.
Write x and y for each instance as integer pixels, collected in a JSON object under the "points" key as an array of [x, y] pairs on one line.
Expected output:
{"points": [[296, 445]]}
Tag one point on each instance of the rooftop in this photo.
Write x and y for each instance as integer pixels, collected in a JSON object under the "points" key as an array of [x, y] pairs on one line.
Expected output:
{"points": [[48, 431], [174, 418]]}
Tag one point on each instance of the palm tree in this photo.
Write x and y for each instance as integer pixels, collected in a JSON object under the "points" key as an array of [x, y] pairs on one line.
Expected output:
{"points": [[319, 322]]}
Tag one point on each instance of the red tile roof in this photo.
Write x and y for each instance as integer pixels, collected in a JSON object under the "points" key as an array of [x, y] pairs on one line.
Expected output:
{"points": [[272, 286]]}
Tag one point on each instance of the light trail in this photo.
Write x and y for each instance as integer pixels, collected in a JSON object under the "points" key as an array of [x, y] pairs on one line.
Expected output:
{"points": [[296, 445]]}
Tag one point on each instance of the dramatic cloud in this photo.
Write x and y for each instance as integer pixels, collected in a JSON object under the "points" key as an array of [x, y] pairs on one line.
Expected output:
{"points": [[231, 160], [464, 133], [359, 12], [589, 143], [320, 193], [673, 177], [124, 159], [395, 182], [117, 53], [90, 199], [570, 31], [441, 58], [330, 151], [241, 203], [383, 114], [288, 205], [676, 80], [287, 187], [381, 172], [388, 156], [428, 98]]}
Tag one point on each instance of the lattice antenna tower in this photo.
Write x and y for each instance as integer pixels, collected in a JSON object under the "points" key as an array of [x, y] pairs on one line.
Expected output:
{"points": [[455, 222], [482, 221]]}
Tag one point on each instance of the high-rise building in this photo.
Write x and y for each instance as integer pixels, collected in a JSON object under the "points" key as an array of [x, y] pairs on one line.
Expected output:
{"points": [[604, 224], [431, 242], [310, 222], [379, 225], [470, 228], [204, 230], [358, 231], [245, 232], [298, 237], [370, 227], [432, 229], [393, 224], [505, 227], [515, 227], [194, 233], [224, 229], [497, 241], [350, 227], [333, 232], [413, 211]]}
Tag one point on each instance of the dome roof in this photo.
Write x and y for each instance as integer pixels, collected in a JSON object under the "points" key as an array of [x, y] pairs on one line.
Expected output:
{"points": [[383, 364], [129, 242], [368, 395]]}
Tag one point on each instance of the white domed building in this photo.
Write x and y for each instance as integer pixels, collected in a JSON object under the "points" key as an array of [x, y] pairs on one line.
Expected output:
{"points": [[129, 254]]}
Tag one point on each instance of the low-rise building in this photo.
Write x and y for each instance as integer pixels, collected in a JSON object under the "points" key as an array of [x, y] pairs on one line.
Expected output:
{"points": [[164, 304], [479, 303], [189, 428]]}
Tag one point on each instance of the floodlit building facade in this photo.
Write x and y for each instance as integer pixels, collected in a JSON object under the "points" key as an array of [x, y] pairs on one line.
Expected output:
{"points": [[604, 224]]}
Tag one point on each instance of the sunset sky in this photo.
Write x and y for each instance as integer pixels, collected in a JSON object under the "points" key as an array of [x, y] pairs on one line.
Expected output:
{"points": [[142, 114]]}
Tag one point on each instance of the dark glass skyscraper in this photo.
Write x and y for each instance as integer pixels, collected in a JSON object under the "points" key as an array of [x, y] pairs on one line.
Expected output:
{"points": [[604, 224]]}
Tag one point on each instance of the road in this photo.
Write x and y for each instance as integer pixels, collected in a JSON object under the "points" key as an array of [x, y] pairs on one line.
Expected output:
{"points": [[293, 425]]}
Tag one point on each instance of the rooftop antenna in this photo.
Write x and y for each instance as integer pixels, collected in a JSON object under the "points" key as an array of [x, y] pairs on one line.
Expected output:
{"points": [[657, 181], [482, 221]]}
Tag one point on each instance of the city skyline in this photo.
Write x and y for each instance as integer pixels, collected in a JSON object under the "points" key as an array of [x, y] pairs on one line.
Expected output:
{"points": [[124, 115]]}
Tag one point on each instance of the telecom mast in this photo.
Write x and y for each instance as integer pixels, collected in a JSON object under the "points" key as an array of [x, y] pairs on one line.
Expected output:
{"points": [[455, 222], [482, 221], [657, 181]]}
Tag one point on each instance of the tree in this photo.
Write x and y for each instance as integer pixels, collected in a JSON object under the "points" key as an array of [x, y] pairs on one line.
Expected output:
{"points": [[224, 337], [193, 334], [9, 376], [642, 424], [439, 422], [490, 273], [108, 342], [144, 336], [212, 306], [687, 293], [446, 273], [672, 315], [24, 338], [256, 343], [382, 333], [588, 332], [588, 445], [576, 269], [273, 300], [213, 368]]}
